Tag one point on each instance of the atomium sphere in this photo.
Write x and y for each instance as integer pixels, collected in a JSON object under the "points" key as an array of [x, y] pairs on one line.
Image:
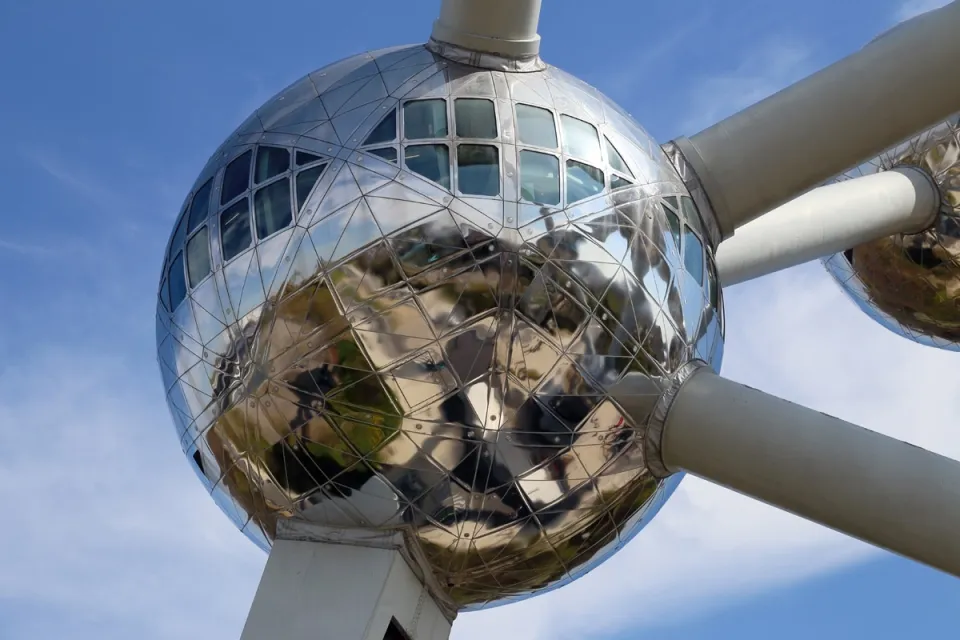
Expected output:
{"points": [[394, 303], [910, 283]]}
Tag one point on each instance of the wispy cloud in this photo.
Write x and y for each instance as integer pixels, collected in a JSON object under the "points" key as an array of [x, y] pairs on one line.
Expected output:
{"points": [[762, 71], [911, 8]]}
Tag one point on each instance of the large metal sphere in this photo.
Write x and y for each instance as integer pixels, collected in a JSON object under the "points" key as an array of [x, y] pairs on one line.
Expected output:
{"points": [[407, 287], [910, 283]]}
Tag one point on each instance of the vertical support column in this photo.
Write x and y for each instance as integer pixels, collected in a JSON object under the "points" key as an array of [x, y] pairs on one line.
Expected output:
{"points": [[324, 591]]}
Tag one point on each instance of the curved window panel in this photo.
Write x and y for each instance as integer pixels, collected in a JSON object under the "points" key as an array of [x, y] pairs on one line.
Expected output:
{"points": [[693, 254], [539, 177], [177, 282], [176, 243], [425, 119], [271, 162], [478, 169], [385, 131], [432, 161], [198, 257], [615, 159], [475, 118], [714, 284], [616, 182], [235, 233], [387, 153], [165, 294], [536, 126], [673, 222], [583, 181], [306, 179], [236, 177], [200, 206], [691, 213], [306, 158], [580, 139], [271, 208]]}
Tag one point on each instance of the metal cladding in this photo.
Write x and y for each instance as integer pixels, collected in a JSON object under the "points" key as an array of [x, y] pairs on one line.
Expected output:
{"points": [[910, 283], [396, 299]]}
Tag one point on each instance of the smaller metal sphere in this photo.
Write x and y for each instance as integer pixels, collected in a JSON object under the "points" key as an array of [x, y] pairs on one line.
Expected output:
{"points": [[910, 283]]}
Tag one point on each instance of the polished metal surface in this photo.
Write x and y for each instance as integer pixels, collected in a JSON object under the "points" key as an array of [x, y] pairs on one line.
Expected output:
{"points": [[910, 283], [397, 298]]}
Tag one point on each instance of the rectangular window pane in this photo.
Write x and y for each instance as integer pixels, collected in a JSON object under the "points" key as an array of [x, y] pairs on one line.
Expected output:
{"points": [[200, 206], [539, 177], [580, 139], [432, 161], [236, 178], [177, 282], [673, 224], [271, 162], [198, 256], [176, 243], [475, 118], [616, 160], [478, 169], [692, 254], [583, 181], [425, 119], [306, 180], [387, 153], [235, 235], [271, 208], [536, 126]]}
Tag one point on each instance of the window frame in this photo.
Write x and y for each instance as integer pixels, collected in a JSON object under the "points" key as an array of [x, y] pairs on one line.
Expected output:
{"points": [[210, 256], [224, 261], [402, 138], [290, 193], [455, 161], [557, 150], [445, 142], [562, 176], [496, 120]]}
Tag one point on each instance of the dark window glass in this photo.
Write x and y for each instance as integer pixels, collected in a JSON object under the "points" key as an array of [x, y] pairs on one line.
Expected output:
{"points": [[306, 158], [583, 181], [200, 206], [539, 177], [673, 224], [387, 153], [536, 126], [692, 254], [271, 208], [179, 233], [395, 631], [616, 160], [425, 119], [271, 162], [198, 257], [478, 170], [235, 235], [385, 131], [165, 294], [475, 118], [432, 161], [580, 139], [672, 202], [691, 213], [236, 178], [616, 182], [177, 282], [305, 181], [714, 284]]}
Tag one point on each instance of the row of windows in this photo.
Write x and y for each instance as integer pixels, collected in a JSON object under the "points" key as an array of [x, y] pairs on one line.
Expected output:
{"points": [[477, 166], [690, 247], [277, 190]]}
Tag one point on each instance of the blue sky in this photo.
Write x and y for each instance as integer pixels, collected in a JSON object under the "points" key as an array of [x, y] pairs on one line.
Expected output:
{"points": [[109, 111]]}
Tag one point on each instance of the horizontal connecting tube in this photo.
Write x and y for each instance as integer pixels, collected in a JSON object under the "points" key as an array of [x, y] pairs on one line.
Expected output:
{"points": [[872, 487], [835, 119], [829, 220]]}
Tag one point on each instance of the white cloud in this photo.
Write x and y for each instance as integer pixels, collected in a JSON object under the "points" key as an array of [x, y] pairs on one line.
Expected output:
{"points": [[762, 71], [911, 8]]}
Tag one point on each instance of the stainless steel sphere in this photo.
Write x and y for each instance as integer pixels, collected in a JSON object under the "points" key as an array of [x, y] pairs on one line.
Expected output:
{"points": [[910, 283], [396, 298]]}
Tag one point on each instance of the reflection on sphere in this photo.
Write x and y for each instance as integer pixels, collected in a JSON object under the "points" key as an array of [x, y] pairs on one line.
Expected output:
{"points": [[396, 298]]}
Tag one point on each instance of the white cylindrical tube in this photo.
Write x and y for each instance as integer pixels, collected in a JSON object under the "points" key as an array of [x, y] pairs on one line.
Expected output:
{"points": [[828, 220], [503, 27], [835, 119], [872, 487]]}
